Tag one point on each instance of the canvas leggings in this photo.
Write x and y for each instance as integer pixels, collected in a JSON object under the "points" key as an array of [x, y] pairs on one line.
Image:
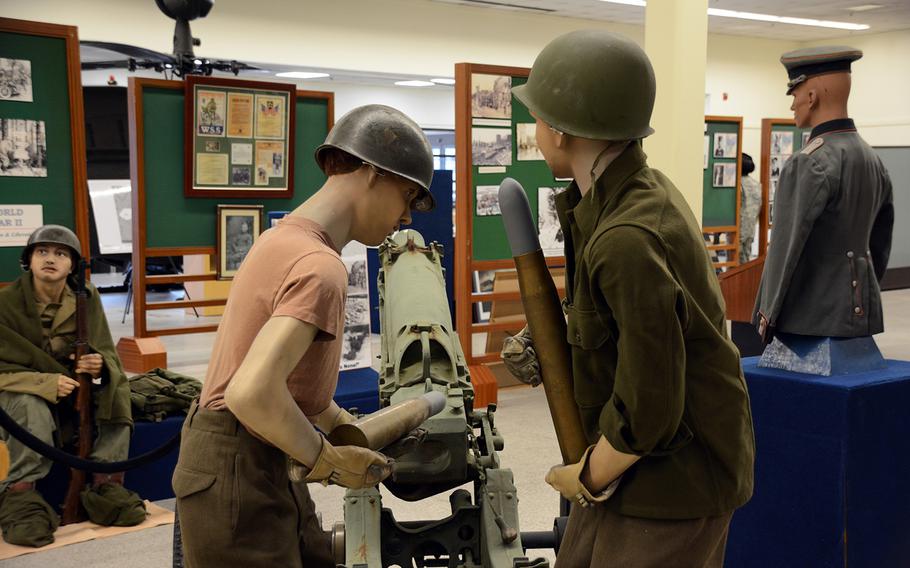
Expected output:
{"points": [[598, 538], [235, 502], [34, 414]]}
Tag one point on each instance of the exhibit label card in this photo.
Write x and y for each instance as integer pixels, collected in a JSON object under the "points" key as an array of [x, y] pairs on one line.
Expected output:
{"points": [[17, 222]]}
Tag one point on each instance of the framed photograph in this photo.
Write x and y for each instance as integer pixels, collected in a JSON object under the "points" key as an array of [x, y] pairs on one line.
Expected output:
{"points": [[239, 136], [487, 201], [483, 282], [491, 96], [725, 174], [491, 146], [777, 162], [15, 80], [552, 241], [238, 228], [527, 142], [782, 142], [23, 148], [725, 144]]}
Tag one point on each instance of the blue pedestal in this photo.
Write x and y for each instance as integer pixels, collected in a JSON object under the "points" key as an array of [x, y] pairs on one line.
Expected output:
{"points": [[832, 471]]}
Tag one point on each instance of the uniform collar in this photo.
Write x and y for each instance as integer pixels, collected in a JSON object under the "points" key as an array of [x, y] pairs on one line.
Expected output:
{"points": [[586, 210], [836, 125]]}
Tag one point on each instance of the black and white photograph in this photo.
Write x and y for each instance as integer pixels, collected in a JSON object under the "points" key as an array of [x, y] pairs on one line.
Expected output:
{"points": [[354, 256], [491, 146], [805, 139], [213, 145], [238, 228], [777, 163], [112, 212], [527, 142], [707, 151], [491, 96], [487, 200], [15, 80], [552, 241], [356, 350], [23, 148], [725, 144], [725, 174], [483, 282], [240, 175], [781, 142]]}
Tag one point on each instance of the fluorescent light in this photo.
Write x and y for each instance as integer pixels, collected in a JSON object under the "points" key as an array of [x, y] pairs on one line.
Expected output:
{"points": [[302, 75], [414, 83], [443, 81], [771, 18], [785, 19], [864, 7]]}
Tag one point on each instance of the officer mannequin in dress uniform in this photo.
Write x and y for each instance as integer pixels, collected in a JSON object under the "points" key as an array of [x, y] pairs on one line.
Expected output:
{"points": [[833, 214]]}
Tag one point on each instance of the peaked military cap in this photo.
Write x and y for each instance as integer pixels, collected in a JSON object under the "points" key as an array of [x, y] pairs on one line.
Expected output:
{"points": [[804, 63]]}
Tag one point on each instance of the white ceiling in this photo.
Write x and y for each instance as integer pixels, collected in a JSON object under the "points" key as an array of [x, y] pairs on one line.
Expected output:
{"points": [[893, 15]]}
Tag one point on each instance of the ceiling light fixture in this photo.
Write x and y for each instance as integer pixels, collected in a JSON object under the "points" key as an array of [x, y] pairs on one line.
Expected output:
{"points": [[302, 75], [414, 83], [864, 7], [767, 17], [443, 81]]}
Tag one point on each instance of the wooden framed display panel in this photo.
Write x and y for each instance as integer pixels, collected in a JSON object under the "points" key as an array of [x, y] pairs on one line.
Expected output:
{"points": [[166, 223], [55, 109], [721, 189], [480, 239], [775, 132]]}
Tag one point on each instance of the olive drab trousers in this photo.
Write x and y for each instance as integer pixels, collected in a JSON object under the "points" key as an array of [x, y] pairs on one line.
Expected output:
{"points": [[235, 502]]}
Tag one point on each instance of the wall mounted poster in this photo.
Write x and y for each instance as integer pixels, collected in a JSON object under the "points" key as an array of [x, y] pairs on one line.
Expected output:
{"points": [[356, 350], [15, 80], [239, 136]]}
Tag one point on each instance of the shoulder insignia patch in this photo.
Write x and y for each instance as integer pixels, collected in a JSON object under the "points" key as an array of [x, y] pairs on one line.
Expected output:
{"points": [[816, 143]]}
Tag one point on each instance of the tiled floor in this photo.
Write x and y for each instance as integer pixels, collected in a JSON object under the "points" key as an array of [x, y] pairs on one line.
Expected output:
{"points": [[522, 418]]}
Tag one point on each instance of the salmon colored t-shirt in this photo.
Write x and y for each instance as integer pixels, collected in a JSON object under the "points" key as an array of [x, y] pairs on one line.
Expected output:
{"points": [[293, 270]]}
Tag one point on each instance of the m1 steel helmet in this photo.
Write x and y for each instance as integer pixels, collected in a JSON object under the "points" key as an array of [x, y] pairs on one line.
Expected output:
{"points": [[388, 139], [51, 234]]}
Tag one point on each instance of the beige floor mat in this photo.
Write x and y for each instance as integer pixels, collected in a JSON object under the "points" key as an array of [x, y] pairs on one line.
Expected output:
{"points": [[81, 532]]}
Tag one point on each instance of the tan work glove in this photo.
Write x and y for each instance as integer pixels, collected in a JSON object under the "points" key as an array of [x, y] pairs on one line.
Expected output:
{"points": [[520, 357], [567, 480], [348, 466]]}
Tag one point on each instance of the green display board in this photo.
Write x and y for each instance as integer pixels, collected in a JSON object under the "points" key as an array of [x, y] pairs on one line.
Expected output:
{"points": [[50, 105], [490, 241], [719, 203], [173, 220]]}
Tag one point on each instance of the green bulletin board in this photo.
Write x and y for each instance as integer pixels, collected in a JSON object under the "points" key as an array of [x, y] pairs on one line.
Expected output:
{"points": [[490, 241], [719, 203], [173, 220], [51, 105]]}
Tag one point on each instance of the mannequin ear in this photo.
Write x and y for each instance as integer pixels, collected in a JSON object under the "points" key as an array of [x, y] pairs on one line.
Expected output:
{"points": [[812, 95], [372, 175], [561, 139]]}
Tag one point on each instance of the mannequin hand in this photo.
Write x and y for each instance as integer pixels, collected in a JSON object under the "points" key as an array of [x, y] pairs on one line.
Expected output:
{"points": [[520, 357]]}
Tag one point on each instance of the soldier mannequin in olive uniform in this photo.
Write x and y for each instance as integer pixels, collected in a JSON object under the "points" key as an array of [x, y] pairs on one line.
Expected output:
{"points": [[36, 345], [833, 213], [657, 381]]}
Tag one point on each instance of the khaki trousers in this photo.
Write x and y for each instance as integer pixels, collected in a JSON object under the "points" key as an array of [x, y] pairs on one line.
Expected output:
{"points": [[33, 413], [235, 502], [598, 538]]}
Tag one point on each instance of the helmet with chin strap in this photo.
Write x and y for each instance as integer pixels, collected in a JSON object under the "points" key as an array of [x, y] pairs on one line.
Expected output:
{"points": [[51, 235]]}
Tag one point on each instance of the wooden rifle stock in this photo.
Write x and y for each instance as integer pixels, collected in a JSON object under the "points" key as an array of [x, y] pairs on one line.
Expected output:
{"points": [[72, 508]]}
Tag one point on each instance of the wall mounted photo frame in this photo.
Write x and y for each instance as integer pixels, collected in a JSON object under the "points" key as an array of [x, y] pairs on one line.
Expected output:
{"points": [[239, 138], [239, 227]]}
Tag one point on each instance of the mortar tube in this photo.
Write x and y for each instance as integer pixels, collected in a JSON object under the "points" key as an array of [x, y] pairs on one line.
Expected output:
{"points": [[379, 429]]}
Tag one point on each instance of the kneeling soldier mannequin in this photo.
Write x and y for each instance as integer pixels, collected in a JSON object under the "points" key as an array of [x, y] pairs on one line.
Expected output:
{"points": [[657, 381], [275, 362], [37, 389]]}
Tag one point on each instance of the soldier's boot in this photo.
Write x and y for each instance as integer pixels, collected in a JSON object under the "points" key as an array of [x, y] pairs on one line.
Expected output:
{"points": [[25, 517], [109, 503]]}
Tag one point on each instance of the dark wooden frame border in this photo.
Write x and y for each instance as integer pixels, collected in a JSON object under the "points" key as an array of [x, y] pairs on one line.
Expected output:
{"points": [[70, 35], [220, 245], [465, 265], [140, 250], [189, 106], [734, 246]]}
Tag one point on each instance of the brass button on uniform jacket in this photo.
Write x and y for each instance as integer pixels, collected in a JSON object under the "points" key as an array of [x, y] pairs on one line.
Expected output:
{"points": [[831, 238], [653, 367]]}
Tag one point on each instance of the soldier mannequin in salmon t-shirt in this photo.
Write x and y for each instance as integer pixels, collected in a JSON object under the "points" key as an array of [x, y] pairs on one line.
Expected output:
{"points": [[275, 362]]}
